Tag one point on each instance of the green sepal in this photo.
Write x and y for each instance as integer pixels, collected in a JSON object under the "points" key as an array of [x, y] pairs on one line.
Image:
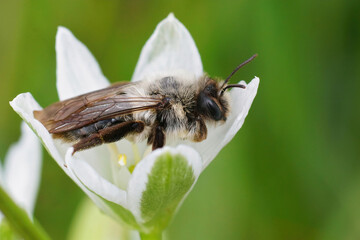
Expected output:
{"points": [[171, 177]]}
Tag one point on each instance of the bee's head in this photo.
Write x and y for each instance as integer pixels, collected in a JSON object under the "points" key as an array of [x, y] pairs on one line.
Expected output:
{"points": [[212, 101]]}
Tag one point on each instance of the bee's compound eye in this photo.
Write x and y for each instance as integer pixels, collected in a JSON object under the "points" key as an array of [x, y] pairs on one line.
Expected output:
{"points": [[215, 111], [209, 107]]}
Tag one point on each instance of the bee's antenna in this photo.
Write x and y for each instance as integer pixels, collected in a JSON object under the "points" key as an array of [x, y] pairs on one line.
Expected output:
{"points": [[233, 85], [233, 72]]}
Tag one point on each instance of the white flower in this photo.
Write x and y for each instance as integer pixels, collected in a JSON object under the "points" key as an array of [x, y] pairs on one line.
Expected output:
{"points": [[20, 175], [144, 197]]}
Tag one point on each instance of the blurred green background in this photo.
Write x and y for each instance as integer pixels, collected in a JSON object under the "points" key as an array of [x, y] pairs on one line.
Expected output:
{"points": [[292, 172]]}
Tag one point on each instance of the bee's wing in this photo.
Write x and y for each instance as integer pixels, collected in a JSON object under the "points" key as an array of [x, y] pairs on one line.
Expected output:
{"points": [[88, 108]]}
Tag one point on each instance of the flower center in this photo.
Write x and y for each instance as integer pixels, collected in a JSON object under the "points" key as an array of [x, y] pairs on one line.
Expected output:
{"points": [[121, 166], [122, 160]]}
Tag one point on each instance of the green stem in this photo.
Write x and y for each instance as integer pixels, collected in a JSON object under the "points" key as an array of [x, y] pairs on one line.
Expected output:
{"points": [[151, 236], [19, 220]]}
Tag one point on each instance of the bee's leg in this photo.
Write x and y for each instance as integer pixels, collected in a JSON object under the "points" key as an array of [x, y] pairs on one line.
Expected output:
{"points": [[200, 130], [157, 137], [109, 134]]}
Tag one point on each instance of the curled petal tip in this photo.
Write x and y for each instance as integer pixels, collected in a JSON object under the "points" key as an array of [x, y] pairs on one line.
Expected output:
{"points": [[63, 32], [62, 28], [171, 16], [177, 52], [255, 81]]}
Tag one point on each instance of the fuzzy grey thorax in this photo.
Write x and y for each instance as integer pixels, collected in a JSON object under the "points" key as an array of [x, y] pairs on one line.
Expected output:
{"points": [[178, 115]]}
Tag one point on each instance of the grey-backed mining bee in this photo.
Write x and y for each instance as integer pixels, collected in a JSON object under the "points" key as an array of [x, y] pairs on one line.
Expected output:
{"points": [[155, 108]]}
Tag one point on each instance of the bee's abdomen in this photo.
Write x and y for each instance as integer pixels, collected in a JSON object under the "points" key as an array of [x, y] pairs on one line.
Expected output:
{"points": [[87, 130]]}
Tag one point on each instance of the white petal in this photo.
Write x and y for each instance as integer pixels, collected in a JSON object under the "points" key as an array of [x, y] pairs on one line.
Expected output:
{"points": [[77, 71], [93, 181], [24, 104], [109, 194], [97, 199], [139, 178], [170, 48], [22, 169], [98, 158], [218, 137], [1, 173]]}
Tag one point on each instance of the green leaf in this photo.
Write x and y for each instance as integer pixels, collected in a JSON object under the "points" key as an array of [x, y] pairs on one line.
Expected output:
{"points": [[18, 219], [168, 182]]}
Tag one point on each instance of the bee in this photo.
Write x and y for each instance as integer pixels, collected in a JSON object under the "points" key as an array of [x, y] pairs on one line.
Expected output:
{"points": [[154, 109]]}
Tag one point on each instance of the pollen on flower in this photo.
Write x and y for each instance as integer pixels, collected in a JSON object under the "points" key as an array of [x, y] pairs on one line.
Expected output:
{"points": [[122, 160]]}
